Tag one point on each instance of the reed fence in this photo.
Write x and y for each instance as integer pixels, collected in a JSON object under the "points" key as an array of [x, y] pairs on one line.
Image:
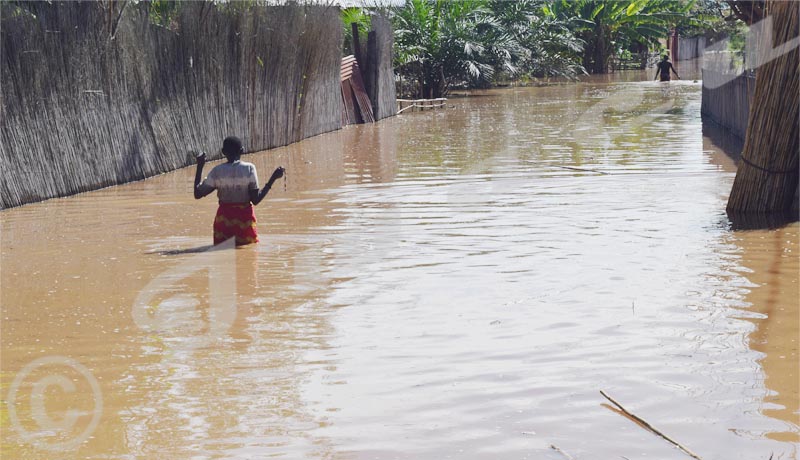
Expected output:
{"points": [[97, 94], [726, 100], [384, 97], [689, 48]]}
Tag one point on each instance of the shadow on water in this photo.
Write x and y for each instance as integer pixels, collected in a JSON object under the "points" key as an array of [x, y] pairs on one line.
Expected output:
{"points": [[772, 221], [723, 139], [732, 146], [197, 249], [175, 252]]}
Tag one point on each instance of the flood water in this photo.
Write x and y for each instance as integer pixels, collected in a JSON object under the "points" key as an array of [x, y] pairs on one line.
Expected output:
{"points": [[458, 283]]}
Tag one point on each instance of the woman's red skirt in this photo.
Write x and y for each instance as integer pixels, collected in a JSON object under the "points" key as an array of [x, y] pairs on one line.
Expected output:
{"points": [[235, 220]]}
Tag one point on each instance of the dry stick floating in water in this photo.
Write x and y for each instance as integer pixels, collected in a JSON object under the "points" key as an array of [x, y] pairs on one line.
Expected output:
{"points": [[556, 448], [649, 426]]}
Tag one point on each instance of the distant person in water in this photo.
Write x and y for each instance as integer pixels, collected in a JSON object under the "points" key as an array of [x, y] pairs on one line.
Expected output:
{"points": [[236, 183], [663, 69]]}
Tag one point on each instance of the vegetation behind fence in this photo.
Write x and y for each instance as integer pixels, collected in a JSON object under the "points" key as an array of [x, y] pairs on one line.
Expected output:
{"points": [[97, 94]]}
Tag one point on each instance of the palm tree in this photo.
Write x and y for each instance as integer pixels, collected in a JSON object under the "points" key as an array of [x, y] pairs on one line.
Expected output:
{"points": [[543, 45], [350, 16], [441, 43]]}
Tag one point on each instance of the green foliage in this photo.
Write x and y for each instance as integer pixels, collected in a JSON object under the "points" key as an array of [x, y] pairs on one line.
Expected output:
{"points": [[163, 12], [737, 39], [442, 44], [234, 7], [16, 8], [712, 19], [609, 26], [542, 44], [359, 16]]}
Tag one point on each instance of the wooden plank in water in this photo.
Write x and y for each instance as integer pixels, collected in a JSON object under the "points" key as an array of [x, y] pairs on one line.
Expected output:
{"points": [[364, 104], [349, 114], [357, 105]]}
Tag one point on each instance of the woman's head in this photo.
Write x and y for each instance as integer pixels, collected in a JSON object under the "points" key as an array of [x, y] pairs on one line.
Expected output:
{"points": [[232, 148]]}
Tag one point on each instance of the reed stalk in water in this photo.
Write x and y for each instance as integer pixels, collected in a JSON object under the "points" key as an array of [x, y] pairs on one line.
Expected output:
{"points": [[557, 449], [650, 427]]}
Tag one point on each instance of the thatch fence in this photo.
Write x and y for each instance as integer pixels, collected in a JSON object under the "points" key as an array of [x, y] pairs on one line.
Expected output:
{"points": [[726, 100], [689, 48], [767, 177], [97, 94], [382, 89]]}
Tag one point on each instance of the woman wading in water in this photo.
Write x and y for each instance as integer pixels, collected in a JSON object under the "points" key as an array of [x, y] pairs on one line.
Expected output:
{"points": [[236, 183]]}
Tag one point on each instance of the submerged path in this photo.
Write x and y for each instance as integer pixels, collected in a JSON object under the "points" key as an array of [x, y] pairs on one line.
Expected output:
{"points": [[449, 284]]}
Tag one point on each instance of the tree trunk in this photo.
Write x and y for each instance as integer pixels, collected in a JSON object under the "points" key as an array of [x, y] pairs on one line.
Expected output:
{"points": [[600, 57], [643, 50], [767, 178], [370, 70], [597, 51]]}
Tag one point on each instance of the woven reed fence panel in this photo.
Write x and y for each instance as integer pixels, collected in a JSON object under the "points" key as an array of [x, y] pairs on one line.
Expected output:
{"points": [[385, 101], [726, 100], [767, 176], [92, 98], [690, 48]]}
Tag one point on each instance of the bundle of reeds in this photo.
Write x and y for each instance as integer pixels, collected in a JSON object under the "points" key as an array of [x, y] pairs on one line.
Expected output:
{"points": [[767, 178]]}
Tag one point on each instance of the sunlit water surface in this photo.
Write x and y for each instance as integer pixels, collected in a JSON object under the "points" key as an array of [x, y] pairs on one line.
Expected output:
{"points": [[458, 283]]}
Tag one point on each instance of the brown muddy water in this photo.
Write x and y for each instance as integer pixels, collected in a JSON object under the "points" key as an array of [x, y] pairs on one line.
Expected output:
{"points": [[456, 284]]}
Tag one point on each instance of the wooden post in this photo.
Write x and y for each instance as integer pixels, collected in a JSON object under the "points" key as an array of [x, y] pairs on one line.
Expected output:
{"points": [[371, 70], [673, 47], [357, 45]]}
